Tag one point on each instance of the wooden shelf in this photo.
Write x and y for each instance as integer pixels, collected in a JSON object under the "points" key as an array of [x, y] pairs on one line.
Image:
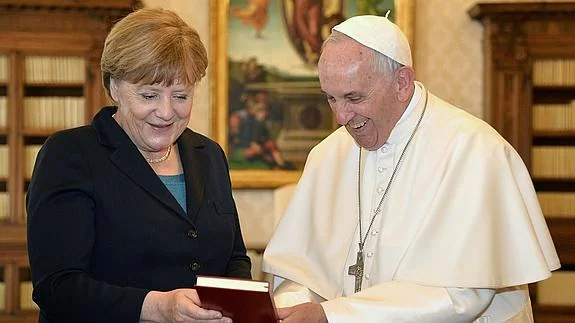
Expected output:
{"points": [[554, 314], [518, 11], [560, 88], [563, 233], [540, 137], [554, 184], [76, 90], [554, 133], [39, 133], [64, 4], [554, 88], [516, 36], [21, 317], [553, 94], [55, 84], [54, 28], [25, 274], [12, 238], [555, 180]]}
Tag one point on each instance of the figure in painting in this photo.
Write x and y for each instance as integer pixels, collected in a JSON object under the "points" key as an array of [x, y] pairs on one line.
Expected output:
{"points": [[250, 139], [305, 22], [253, 71], [254, 14]]}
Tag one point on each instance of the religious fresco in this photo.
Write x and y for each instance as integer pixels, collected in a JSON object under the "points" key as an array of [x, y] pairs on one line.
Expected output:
{"points": [[274, 109]]}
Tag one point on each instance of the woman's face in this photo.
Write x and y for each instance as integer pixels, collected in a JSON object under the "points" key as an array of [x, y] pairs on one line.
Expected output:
{"points": [[153, 116]]}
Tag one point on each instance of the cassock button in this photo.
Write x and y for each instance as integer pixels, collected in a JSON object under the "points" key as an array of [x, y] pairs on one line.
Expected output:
{"points": [[380, 190], [370, 254], [194, 266], [374, 232], [192, 233], [380, 169], [367, 276], [384, 148]]}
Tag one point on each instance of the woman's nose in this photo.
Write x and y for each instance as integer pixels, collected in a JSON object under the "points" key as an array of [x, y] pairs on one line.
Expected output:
{"points": [[165, 110]]}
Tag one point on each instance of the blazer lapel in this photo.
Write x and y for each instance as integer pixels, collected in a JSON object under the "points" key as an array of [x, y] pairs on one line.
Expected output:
{"points": [[130, 162], [195, 162], [128, 159]]}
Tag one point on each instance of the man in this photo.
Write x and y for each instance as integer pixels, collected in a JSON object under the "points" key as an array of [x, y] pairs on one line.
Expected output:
{"points": [[414, 211]]}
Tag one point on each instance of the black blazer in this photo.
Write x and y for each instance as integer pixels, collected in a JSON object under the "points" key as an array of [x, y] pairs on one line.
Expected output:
{"points": [[103, 230]]}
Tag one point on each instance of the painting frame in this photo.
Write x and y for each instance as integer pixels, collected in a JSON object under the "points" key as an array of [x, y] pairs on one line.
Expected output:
{"points": [[254, 178]]}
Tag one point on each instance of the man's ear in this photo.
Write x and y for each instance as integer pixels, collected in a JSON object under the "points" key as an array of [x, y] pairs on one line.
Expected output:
{"points": [[405, 78]]}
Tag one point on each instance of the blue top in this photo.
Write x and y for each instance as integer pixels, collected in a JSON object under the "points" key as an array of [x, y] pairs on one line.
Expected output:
{"points": [[176, 184]]}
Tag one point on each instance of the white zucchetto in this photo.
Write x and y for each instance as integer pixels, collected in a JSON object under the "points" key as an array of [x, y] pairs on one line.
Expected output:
{"points": [[380, 34]]}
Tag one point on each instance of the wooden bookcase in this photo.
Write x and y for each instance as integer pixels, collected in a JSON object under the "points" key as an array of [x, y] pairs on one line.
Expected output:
{"points": [[522, 42], [49, 80]]}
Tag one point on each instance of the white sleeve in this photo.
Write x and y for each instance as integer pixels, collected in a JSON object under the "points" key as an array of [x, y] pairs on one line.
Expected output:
{"points": [[288, 293], [401, 302]]}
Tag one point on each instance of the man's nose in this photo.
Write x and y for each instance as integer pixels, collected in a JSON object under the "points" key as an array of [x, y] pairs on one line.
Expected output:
{"points": [[342, 113]]}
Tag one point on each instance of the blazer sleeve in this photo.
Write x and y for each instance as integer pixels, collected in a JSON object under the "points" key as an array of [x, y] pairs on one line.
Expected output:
{"points": [[239, 264], [61, 233]]}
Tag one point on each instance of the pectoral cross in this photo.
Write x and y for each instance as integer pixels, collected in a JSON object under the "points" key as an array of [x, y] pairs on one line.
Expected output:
{"points": [[357, 271]]}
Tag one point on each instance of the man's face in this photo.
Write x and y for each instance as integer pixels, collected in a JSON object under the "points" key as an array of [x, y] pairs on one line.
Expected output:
{"points": [[362, 99]]}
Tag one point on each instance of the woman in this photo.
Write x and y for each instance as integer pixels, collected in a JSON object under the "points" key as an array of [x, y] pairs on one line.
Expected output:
{"points": [[124, 213]]}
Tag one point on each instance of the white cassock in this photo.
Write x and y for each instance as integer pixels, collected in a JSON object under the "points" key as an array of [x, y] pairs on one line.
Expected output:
{"points": [[460, 235]]}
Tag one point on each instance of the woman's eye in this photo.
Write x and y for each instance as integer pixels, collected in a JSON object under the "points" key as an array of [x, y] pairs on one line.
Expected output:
{"points": [[181, 97], [148, 96]]}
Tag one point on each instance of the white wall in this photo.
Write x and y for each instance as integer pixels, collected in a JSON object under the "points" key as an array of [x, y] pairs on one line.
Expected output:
{"points": [[448, 52]]}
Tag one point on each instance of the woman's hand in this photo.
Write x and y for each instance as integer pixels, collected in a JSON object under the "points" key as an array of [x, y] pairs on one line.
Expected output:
{"points": [[177, 306]]}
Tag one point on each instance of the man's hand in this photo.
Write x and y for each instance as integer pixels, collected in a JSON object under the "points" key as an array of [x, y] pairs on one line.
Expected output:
{"points": [[306, 312]]}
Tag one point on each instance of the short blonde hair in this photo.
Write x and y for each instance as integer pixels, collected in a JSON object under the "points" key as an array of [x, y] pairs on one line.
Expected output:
{"points": [[153, 46]]}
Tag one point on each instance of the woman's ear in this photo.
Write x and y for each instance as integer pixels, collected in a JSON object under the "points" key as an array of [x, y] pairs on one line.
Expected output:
{"points": [[405, 78], [114, 89]]}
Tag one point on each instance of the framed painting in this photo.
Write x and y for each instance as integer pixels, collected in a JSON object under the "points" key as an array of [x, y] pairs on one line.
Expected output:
{"points": [[268, 109]]}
